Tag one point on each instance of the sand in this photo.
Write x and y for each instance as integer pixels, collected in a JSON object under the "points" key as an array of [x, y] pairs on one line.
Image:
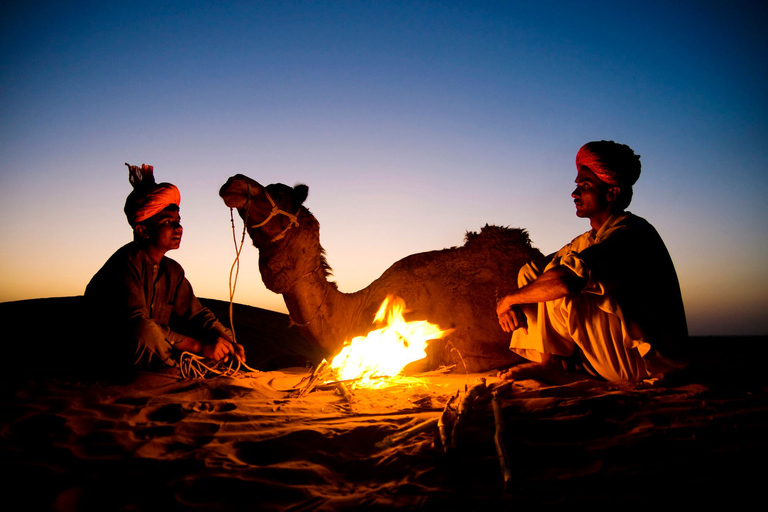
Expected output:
{"points": [[78, 440]]}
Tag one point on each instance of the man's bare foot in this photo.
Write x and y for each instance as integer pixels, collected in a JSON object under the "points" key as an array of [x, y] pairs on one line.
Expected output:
{"points": [[546, 373], [523, 371]]}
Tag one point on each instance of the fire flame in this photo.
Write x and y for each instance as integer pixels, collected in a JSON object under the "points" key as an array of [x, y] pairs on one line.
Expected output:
{"points": [[385, 351]]}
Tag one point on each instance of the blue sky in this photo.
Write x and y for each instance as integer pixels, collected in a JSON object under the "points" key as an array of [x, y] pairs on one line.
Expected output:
{"points": [[411, 122]]}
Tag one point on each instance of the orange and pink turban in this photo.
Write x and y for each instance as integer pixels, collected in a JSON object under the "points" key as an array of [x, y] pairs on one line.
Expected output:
{"points": [[148, 198], [612, 163]]}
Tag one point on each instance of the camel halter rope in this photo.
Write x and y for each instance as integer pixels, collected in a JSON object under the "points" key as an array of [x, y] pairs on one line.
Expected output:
{"points": [[192, 365], [293, 218], [294, 221]]}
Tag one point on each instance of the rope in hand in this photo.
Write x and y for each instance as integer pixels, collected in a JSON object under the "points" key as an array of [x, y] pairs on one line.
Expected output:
{"points": [[193, 366]]}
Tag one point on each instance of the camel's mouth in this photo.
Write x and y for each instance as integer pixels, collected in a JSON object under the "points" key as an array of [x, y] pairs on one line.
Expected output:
{"points": [[235, 191], [233, 200]]}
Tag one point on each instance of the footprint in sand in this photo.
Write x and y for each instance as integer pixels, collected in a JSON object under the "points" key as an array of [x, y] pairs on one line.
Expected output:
{"points": [[147, 433], [173, 413], [210, 406]]}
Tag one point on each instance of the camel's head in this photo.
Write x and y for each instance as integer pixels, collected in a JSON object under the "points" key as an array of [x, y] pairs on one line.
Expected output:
{"points": [[268, 212]]}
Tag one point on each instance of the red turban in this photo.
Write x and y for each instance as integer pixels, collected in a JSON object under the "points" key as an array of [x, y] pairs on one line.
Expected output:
{"points": [[614, 164], [148, 198]]}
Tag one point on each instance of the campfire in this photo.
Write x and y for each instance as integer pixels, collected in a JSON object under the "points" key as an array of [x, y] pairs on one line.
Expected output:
{"points": [[386, 351], [374, 360], [371, 360]]}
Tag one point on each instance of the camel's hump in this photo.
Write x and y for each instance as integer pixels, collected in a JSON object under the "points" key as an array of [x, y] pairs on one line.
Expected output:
{"points": [[497, 237], [494, 246]]}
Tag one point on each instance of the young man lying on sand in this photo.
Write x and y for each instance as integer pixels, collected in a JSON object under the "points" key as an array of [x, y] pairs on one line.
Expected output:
{"points": [[609, 301], [143, 305]]}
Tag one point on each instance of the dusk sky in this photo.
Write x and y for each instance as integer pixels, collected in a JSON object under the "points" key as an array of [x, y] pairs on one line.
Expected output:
{"points": [[411, 123]]}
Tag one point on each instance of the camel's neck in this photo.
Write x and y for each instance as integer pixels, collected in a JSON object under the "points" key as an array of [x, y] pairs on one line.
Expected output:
{"points": [[320, 311], [296, 269]]}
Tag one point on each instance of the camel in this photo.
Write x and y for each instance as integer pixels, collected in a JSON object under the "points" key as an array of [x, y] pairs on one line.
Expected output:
{"points": [[455, 288]]}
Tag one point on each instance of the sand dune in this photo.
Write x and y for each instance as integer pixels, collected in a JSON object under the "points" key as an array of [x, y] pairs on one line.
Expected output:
{"points": [[78, 440]]}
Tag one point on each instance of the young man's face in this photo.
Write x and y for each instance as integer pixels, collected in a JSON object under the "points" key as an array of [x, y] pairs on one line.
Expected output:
{"points": [[591, 195], [163, 230]]}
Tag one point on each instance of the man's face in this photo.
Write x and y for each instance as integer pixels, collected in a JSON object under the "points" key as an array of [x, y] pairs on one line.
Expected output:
{"points": [[164, 230], [591, 195]]}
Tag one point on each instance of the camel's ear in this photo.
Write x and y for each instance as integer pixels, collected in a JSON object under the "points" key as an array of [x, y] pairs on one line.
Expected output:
{"points": [[300, 193]]}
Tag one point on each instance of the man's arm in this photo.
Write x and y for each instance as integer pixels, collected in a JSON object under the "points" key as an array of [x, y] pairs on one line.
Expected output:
{"points": [[555, 283]]}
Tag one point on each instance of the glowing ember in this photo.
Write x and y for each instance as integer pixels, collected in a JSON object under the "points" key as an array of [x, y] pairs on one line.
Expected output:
{"points": [[385, 351]]}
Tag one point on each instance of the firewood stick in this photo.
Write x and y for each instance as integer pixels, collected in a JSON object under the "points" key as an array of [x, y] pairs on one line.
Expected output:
{"points": [[501, 449], [320, 370], [465, 405], [344, 390], [445, 424], [331, 385], [439, 371], [399, 437]]}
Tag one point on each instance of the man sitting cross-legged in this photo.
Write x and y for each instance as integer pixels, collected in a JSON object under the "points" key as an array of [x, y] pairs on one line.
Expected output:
{"points": [[609, 301], [144, 309]]}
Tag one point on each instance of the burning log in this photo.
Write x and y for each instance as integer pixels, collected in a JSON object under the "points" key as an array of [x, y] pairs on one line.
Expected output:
{"points": [[498, 439], [399, 437], [344, 391], [465, 406]]}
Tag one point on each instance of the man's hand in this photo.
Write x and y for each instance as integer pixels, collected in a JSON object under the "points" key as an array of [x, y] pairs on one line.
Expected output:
{"points": [[511, 318], [222, 348], [553, 284]]}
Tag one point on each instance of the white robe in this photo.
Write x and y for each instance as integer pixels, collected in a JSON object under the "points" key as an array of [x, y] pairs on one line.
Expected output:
{"points": [[628, 322]]}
